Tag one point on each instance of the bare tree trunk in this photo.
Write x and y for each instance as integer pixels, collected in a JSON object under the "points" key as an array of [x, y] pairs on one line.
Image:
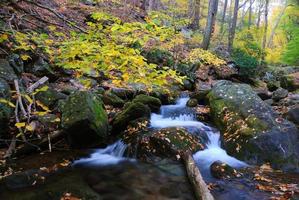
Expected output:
{"points": [[265, 29], [223, 15], [277, 21], [250, 14], [213, 7], [195, 18], [259, 14], [232, 29]]}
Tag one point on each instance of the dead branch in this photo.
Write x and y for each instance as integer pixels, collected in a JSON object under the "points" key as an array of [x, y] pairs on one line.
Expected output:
{"points": [[200, 188], [37, 84], [11, 148], [20, 98]]}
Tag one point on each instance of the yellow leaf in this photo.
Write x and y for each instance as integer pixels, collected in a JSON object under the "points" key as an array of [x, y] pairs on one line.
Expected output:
{"points": [[40, 113], [29, 128], [42, 89], [7, 102], [20, 124], [27, 97], [44, 107], [25, 57]]}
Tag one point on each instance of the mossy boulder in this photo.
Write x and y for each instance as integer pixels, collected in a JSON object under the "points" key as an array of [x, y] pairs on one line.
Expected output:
{"points": [[192, 102], [290, 81], [131, 112], [279, 94], [152, 102], [84, 119], [124, 93], [251, 130], [168, 142], [112, 99], [6, 71], [5, 109]]}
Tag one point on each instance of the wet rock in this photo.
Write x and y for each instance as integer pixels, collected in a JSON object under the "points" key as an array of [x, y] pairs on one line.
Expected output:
{"points": [[164, 97], [293, 114], [262, 91], [110, 98], [131, 112], [290, 81], [251, 130], [192, 103], [84, 119], [153, 103], [169, 142], [279, 94], [5, 109], [187, 84], [222, 170], [50, 97], [6, 71], [203, 113]]}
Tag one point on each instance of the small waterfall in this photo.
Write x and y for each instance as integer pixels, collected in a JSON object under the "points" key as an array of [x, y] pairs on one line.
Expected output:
{"points": [[179, 115], [112, 154]]}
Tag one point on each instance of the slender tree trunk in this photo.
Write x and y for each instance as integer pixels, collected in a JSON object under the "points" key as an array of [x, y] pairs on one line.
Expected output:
{"points": [[232, 29], [259, 14], [265, 29], [195, 18], [250, 14], [213, 7], [230, 14], [223, 16], [277, 21]]}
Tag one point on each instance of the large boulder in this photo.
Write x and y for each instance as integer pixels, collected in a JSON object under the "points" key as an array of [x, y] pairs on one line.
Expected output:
{"points": [[152, 102], [5, 109], [132, 111], [84, 119], [251, 130], [6, 71], [293, 114], [168, 142], [279, 94]]}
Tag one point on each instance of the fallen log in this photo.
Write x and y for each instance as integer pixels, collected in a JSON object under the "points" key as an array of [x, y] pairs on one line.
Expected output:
{"points": [[199, 186]]}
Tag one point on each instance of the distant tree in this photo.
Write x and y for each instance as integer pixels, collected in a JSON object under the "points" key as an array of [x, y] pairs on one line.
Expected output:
{"points": [[196, 15], [264, 42], [232, 28], [213, 7], [223, 15]]}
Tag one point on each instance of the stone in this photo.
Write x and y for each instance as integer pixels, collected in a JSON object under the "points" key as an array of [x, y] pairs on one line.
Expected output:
{"points": [[152, 102], [290, 81], [293, 114], [50, 97], [84, 120], [273, 85], [110, 98], [251, 130], [6, 71], [169, 142], [222, 170], [279, 94], [192, 102], [17, 63], [124, 93], [131, 112], [42, 68]]}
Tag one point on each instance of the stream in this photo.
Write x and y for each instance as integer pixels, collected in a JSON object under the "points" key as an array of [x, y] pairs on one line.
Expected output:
{"points": [[177, 115]]}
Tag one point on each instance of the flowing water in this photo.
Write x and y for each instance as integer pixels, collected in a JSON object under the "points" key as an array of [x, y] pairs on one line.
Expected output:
{"points": [[178, 115]]}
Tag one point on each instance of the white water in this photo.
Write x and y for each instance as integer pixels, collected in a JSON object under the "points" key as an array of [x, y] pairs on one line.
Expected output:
{"points": [[111, 155], [213, 152]]}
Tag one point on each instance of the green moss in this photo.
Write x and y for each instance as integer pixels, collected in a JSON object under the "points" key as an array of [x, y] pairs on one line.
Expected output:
{"points": [[152, 102]]}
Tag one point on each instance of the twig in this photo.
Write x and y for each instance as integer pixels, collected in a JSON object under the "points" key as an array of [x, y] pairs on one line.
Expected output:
{"points": [[49, 141], [4, 51], [36, 84], [18, 120], [20, 98], [60, 16], [12, 148]]}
